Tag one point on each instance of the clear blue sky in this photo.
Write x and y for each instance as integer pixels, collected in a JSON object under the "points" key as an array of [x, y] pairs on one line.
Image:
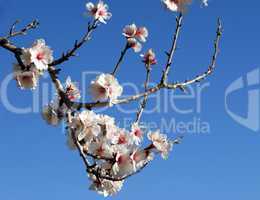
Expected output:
{"points": [[223, 164]]}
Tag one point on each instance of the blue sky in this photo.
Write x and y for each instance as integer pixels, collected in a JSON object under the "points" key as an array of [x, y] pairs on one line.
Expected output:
{"points": [[221, 164]]}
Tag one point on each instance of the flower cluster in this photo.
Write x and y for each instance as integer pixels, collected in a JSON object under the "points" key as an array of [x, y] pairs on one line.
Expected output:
{"points": [[135, 35], [56, 110], [35, 61], [116, 152]]}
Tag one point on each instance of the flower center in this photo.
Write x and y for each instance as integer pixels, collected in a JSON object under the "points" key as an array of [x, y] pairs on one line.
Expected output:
{"points": [[122, 140], [138, 133], [101, 13], [102, 90], [26, 78], [40, 56]]}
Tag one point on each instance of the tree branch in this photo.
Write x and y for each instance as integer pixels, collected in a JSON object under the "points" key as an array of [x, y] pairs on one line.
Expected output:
{"points": [[163, 85], [119, 62], [144, 102], [12, 33], [77, 45], [170, 54]]}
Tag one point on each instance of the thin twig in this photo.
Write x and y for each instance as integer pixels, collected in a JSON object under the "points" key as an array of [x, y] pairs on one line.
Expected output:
{"points": [[12, 33], [115, 179], [77, 45], [170, 54], [211, 67], [80, 150], [120, 60], [160, 86], [144, 102]]}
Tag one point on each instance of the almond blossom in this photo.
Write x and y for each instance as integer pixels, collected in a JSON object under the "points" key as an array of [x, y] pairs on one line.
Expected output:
{"points": [[175, 5], [86, 125], [99, 11], [101, 149], [134, 44], [136, 133], [123, 165], [115, 151], [140, 158], [26, 79], [54, 112], [141, 34], [149, 58], [161, 143], [106, 187], [105, 87], [130, 31], [135, 35], [72, 91], [51, 114], [40, 55]]}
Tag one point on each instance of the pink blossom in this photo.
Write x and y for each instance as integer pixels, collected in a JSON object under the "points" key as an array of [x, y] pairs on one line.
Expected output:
{"points": [[136, 133], [140, 158], [161, 143], [99, 11], [105, 187], [175, 5], [72, 91], [149, 58], [134, 44], [135, 35], [40, 55], [105, 87], [142, 34], [26, 79]]}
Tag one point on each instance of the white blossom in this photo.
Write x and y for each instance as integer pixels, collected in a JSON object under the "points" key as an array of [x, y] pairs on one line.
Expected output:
{"points": [[106, 187], [26, 79], [141, 34], [136, 133], [101, 149], [90, 127], [140, 158], [161, 143], [130, 31], [99, 11], [40, 55], [134, 44], [105, 87], [26, 57], [123, 165], [175, 5], [135, 35], [51, 114], [54, 113], [72, 91]]}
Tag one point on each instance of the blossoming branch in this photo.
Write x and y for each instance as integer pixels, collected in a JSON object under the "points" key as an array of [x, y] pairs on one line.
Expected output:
{"points": [[110, 154]]}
